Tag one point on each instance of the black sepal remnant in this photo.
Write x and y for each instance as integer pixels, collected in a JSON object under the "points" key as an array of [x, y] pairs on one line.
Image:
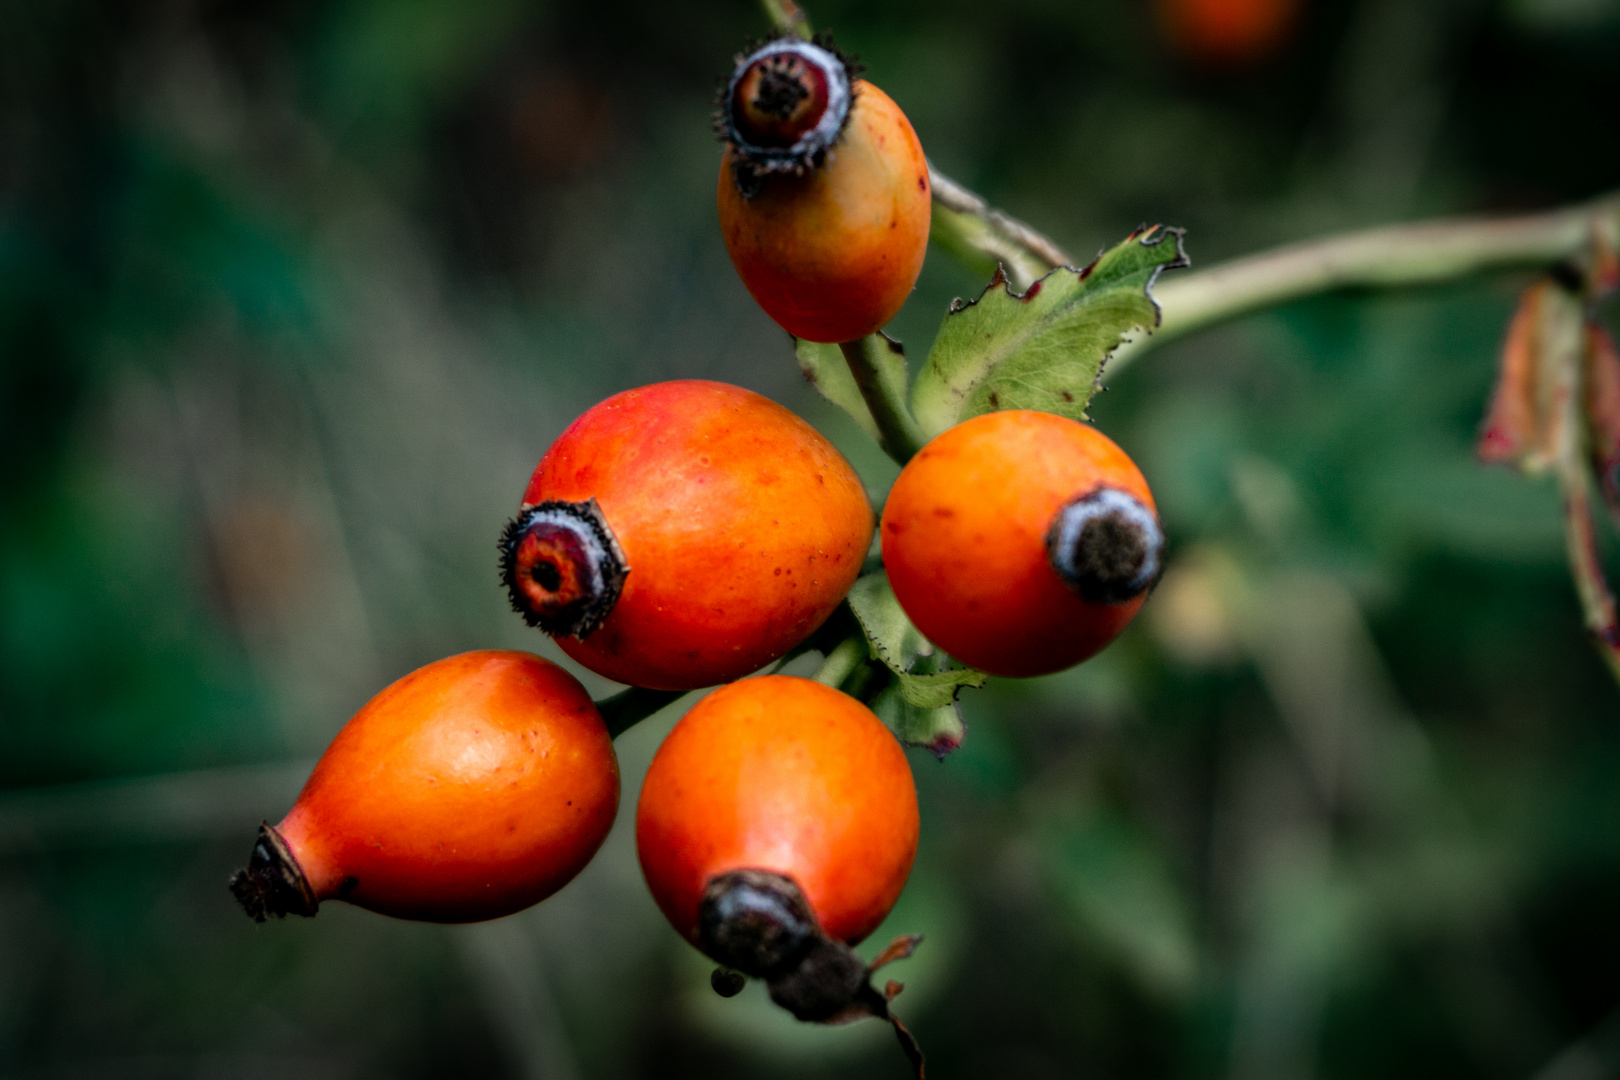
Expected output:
{"points": [[755, 922], [758, 922], [1107, 546], [562, 566], [788, 73], [273, 883], [727, 983]]}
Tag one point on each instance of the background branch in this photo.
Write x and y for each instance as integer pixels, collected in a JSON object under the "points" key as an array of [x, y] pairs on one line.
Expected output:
{"points": [[1425, 253], [982, 237]]}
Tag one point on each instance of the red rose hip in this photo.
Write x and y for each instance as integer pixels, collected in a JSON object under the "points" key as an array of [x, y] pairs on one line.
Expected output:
{"points": [[685, 534]]}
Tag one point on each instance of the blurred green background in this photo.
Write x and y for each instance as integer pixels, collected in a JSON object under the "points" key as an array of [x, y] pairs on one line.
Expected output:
{"points": [[294, 294]]}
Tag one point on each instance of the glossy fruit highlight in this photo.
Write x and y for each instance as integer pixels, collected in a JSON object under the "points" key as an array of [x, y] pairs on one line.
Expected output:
{"points": [[685, 534], [824, 194], [1020, 542], [469, 789]]}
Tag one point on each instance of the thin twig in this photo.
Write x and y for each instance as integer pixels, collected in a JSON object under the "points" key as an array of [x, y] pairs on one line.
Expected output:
{"points": [[1396, 256], [787, 16], [1563, 355], [983, 237], [627, 708]]}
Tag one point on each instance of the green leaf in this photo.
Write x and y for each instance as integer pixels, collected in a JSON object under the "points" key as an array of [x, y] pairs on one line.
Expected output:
{"points": [[939, 730], [900, 646], [1044, 348], [892, 637], [824, 366], [936, 689]]}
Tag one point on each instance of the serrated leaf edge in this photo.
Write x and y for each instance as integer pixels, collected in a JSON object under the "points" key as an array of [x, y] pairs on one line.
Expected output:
{"points": [[958, 678], [1146, 235], [1151, 236]]}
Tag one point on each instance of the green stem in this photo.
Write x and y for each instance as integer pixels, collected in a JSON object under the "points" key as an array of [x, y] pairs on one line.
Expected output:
{"points": [[787, 16], [1397, 256], [627, 708], [878, 365], [841, 663]]}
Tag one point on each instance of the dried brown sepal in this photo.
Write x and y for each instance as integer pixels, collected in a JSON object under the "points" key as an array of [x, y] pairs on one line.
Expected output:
{"points": [[273, 883], [784, 107], [727, 983], [562, 566], [1525, 424], [900, 948], [1603, 411], [759, 923]]}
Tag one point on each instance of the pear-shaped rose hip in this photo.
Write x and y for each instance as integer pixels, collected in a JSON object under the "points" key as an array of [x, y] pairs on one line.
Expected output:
{"points": [[469, 789]]}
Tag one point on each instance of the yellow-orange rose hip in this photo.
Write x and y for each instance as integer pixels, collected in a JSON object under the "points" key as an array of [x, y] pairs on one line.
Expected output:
{"points": [[824, 193]]}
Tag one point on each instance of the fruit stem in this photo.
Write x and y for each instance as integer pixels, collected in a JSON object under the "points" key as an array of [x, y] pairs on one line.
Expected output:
{"points": [[631, 706], [842, 661], [878, 365], [1395, 256]]}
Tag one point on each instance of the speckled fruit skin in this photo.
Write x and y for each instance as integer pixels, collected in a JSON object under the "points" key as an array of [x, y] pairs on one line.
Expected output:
{"points": [[964, 541], [787, 775], [742, 526], [469, 789], [833, 254]]}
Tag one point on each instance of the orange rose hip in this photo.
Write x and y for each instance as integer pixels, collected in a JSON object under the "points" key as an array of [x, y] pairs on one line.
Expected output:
{"points": [[783, 775], [1021, 542], [469, 789]]}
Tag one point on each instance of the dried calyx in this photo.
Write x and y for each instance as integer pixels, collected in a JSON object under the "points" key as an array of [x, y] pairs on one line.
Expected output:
{"points": [[273, 883], [784, 108], [758, 923], [562, 566], [1106, 546]]}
